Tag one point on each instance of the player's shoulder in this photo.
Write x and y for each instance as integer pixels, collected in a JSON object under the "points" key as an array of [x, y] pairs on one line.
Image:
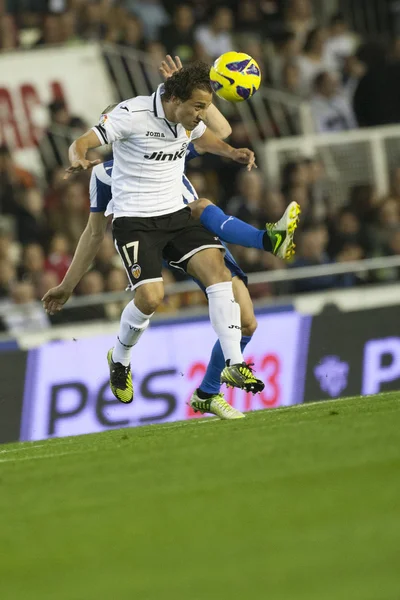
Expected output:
{"points": [[137, 104]]}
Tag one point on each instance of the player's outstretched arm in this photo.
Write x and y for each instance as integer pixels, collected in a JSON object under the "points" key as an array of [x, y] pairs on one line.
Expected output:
{"points": [[217, 123], [209, 142], [86, 250], [78, 150], [214, 120]]}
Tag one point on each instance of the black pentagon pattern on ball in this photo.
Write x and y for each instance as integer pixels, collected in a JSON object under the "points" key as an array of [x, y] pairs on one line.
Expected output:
{"points": [[243, 92], [253, 70], [238, 66], [216, 85]]}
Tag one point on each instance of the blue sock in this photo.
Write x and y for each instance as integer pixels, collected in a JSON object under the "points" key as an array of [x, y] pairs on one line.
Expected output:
{"points": [[211, 383], [233, 230]]}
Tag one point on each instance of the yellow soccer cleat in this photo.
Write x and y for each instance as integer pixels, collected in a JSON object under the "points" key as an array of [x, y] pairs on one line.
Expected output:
{"points": [[282, 232], [120, 380], [216, 405], [241, 376]]}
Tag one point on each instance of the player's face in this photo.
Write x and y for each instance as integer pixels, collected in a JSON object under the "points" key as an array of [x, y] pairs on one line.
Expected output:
{"points": [[193, 111]]}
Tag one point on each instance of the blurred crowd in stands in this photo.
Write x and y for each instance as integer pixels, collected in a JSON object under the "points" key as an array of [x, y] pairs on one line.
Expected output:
{"points": [[349, 79]]}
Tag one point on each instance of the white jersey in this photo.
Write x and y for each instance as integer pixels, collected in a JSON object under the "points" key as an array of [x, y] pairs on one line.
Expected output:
{"points": [[149, 156]]}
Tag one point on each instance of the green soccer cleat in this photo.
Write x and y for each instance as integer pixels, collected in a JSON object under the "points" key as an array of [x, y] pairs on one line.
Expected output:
{"points": [[216, 405], [120, 380], [241, 376], [281, 233]]}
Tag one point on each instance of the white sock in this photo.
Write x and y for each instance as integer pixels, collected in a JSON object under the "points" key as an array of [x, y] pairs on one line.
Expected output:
{"points": [[225, 319], [132, 325]]}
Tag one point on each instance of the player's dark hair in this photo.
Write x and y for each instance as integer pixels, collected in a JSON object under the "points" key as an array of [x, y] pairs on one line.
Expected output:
{"points": [[182, 84]]}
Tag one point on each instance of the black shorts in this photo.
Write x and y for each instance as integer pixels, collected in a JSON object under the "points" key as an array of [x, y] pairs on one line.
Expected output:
{"points": [[144, 242]]}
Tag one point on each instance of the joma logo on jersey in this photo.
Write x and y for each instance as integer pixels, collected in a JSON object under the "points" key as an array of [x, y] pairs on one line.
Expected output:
{"points": [[155, 134], [167, 156]]}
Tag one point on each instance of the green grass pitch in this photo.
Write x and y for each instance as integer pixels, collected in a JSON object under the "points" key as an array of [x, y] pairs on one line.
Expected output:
{"points": [[289, 504]]}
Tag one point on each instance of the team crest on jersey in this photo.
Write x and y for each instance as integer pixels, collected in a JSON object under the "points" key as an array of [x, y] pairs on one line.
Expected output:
{"points": [[103, 120], [136, 271]]}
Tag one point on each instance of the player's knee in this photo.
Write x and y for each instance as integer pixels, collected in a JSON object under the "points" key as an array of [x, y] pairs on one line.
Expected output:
{"points": [[198, 206], [218, 273], [149, 297], [249, 326]]}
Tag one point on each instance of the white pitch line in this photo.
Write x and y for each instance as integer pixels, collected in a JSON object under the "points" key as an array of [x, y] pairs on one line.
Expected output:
{"points": [[53, 455], [22, 448], [20, 459]]}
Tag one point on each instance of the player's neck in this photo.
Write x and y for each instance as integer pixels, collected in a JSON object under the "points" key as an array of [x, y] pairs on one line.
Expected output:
{"points": [[169, 111]]}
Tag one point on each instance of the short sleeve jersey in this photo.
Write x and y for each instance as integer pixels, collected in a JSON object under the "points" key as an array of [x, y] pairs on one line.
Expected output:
{"points": [[149, 156]]}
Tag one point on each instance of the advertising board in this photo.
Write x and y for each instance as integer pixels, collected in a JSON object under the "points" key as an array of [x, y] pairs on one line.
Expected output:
{"points": [[67, 392], [353, 353]]}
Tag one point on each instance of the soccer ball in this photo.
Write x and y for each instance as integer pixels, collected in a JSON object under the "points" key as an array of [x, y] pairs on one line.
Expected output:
{"points": [[235, 76]]}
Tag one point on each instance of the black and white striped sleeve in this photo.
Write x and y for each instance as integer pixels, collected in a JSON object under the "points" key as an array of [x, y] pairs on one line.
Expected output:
{"points": [[113, 126]]}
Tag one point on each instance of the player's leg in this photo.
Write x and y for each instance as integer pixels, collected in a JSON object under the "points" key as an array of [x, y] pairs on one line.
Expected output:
{"points": [[197, 252], [208, 267], [276, 237], [209, 388], [141, 255]]}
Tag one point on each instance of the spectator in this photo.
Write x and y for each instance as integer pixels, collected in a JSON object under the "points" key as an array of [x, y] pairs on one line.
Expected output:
{"points": [[22, 313], [133, 33], [59, 257], [46, 281], [151, 13], [69, 28], [249, 204], [9, 35], [92, 22], [32, 222], [313, 61], [33, 261], [9, 248], [178, 38], [52, 30], [250, 20], [388, 221], [8, 277], [377, 97], [341, 43], [287, 51], [299, 18], [59, 136], [291, 79], [71, 216], [331, 109], [294, 173], [92, 283], [215, 38], [311, 251], [13, 182], [363, 201], [347, 231]]}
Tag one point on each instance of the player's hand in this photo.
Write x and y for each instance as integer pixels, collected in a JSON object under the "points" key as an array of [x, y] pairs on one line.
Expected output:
{"points": [[81, 165], [54, 299], [169, 66], [245, 157]]}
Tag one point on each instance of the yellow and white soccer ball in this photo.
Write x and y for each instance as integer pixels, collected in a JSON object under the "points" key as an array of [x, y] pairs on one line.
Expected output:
{"points": [[235, 76]]}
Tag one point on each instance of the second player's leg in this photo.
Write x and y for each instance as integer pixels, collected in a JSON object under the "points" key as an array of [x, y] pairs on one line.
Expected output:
{"points": [[276, 237]]}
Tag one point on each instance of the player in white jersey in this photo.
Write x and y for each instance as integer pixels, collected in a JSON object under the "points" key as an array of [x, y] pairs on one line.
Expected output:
{"points": [[150, 135]]}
